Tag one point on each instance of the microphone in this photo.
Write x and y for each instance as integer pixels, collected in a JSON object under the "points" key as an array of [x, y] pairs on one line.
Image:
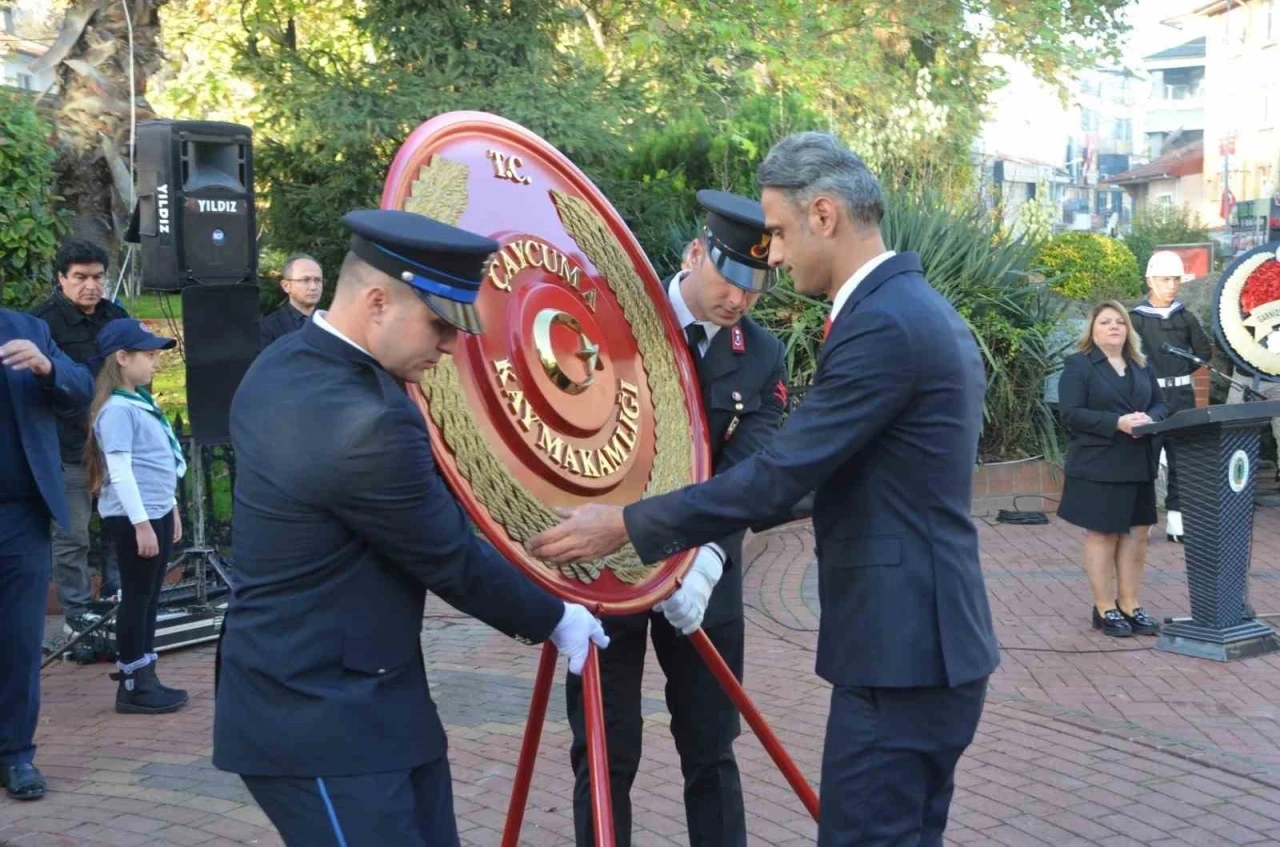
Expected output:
{"points": [[1183, 354], [1249, 392]]}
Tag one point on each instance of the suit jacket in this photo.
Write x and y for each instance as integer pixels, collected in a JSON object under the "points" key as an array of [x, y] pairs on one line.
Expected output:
{"points": [[1091, 398], [40, 402], [341, 525], [888, 436], [756, 376], [279, 323]]}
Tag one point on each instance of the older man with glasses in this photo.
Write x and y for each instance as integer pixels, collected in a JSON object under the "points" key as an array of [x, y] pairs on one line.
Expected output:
{"points": [[303, 284], [76, 311]]}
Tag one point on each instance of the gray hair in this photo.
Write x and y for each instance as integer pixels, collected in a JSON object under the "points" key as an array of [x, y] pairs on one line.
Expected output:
{"points": [[807, 164]]}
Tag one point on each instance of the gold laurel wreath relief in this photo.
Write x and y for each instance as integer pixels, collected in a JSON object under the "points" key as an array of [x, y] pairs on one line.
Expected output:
{"points": [[440, 191]]}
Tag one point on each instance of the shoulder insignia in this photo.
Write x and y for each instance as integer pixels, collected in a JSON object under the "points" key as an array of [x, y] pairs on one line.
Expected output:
{"points": [[780, 391], [737, 339]]}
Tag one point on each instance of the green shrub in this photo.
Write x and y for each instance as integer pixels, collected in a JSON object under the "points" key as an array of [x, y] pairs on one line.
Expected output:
{"points": [[1090, 267], [1156, 225], [986, 275], [31, 226]]}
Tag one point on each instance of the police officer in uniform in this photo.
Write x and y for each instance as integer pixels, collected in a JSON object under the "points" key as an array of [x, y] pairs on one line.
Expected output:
{"points": [[342, 524], [743, 377], [1159, 320]]}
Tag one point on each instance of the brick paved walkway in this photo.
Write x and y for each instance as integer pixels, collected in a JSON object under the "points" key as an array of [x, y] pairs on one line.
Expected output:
{"points": [[1085, 740]]}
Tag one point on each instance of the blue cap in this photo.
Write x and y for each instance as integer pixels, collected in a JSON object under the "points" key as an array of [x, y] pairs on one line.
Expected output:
{"points": [[736, 239], [129, 334], [443, 265]]}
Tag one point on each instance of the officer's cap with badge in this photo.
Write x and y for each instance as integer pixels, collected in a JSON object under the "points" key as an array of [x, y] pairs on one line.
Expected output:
{"points": [[443, 265], [736, 240]]}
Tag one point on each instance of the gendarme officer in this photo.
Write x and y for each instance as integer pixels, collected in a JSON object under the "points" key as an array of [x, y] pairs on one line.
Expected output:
{"points": [[743, 378], [342, 525], [1161, 319]]}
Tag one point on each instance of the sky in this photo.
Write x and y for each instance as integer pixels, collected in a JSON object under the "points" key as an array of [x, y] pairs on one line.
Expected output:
{"points": [[1147, 35]]}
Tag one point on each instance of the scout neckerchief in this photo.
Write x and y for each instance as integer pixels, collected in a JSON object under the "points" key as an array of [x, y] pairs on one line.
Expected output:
{"points": [[143, 400]]}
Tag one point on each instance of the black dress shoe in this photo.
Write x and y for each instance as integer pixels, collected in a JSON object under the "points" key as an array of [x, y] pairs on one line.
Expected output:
{"points": [[1140, 622], [1112, 623], [1176, 539], [24, 782]]}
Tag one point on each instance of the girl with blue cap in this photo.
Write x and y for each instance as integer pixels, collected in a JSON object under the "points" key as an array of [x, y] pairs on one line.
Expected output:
{"points": [[134, 463]]}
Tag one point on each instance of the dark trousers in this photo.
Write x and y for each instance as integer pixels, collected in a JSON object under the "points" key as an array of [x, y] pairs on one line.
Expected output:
{"points": [[889, 761], [140, 582], [25, 558], [704, 723], [412, 808]]}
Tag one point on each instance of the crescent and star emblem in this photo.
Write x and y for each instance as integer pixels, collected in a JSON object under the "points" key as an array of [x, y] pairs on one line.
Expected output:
{"points": [[588, 351]]}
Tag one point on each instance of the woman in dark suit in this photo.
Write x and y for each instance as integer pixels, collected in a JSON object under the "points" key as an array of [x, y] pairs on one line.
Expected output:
{"points": [[1106, 391]]}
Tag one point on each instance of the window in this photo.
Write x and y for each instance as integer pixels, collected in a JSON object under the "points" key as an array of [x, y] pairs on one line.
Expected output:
{"points": [[24, 81], [1122, 129], [8, 19], [1164, 199], [1180, 84], [1088, 120]]}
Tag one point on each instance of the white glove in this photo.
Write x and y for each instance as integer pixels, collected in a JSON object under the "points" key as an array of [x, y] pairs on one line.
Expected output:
{"points": [[685, 608], [573, 636]]}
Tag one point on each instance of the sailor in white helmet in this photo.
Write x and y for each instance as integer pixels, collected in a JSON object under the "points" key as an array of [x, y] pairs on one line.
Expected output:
{"points": [[1159, 320]]}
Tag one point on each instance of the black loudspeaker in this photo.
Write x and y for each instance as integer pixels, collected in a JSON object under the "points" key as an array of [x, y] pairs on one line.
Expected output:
{"points": [[195, 204], [220, 338]]}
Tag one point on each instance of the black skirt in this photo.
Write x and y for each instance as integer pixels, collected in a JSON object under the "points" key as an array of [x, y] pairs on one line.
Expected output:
{"points": [[1111, 507]]}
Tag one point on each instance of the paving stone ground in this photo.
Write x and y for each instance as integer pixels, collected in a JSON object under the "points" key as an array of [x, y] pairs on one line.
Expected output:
{"points": [[1085, 740]]}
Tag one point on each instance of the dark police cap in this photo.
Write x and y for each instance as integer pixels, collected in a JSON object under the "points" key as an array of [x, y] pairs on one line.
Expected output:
{"points": [[736, 239], [443, 265]]}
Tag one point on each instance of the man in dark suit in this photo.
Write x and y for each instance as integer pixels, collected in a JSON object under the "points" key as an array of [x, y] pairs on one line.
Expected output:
{"points": [[303, 284], [38, 383], [322, 702], [743, 377], [76, 312], [888, 436]]}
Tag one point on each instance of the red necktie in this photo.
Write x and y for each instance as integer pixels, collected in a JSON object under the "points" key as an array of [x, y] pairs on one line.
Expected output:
{"points": [[826, 328]]}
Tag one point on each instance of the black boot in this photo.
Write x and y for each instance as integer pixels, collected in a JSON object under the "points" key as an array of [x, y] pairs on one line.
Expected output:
{"points": [[140, 693], [155, 671]]}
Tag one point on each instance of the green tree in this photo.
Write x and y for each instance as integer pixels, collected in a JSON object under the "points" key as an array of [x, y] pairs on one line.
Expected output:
{"points": [[30, 224], [1089, 267]]}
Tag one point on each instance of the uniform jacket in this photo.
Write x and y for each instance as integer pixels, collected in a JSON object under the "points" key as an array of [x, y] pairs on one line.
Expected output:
{"points": [[757, 375], [888, 437], [1091, 398], [1181, 329], [77, 335], [279, 323], [39, 403], [341, 525]]}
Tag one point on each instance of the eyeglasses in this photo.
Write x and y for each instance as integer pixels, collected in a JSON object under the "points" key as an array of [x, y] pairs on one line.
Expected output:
{"points": [[306, 280]]}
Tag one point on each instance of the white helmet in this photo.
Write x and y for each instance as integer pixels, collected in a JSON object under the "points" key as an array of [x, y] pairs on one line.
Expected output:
{"points": [[1165, 263]]}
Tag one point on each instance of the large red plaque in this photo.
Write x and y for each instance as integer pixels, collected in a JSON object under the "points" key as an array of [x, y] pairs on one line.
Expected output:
{"points": [[581, 388]]}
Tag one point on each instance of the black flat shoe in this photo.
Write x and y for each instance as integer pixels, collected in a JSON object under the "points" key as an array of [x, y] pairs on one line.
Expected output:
{"points": [[1140, 622], [24, 782], [1112, 623], [1176, 539]]}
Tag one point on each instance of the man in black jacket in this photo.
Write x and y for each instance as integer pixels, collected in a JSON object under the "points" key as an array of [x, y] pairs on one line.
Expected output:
{"points": [[303, 283], [1161, 319], [75, 312], [322, 704], [743, 378]]}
